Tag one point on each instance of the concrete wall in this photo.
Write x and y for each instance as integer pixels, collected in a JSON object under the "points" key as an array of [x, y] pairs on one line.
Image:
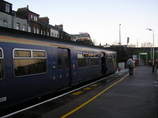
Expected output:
{"points": [[5, 20]]}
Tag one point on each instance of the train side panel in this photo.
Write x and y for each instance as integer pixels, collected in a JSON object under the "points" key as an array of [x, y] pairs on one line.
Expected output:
{"points": [[31, 67], [22, 80], [87, 65]]}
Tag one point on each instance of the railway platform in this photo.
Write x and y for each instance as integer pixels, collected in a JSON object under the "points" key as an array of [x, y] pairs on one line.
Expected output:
{"points": [[127, 97]]}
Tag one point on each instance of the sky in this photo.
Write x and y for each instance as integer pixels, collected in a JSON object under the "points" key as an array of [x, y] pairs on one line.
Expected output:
{"points": [[104, 20]]}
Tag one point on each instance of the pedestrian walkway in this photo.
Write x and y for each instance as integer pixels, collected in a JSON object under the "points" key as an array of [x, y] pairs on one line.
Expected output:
{"points": [[131, 97]]}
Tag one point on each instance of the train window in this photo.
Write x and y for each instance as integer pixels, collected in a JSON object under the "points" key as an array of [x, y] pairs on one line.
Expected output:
{"points": [[94, 59], [82, 59], [1, 64], [66, 61], [22, 53], [59, 61], [114, 58], [0, 53], [28, 62], [39, 54], [110, 60]]}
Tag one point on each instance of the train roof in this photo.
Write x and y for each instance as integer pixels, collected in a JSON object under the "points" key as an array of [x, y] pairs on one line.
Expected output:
{"points": [[37, 37]]}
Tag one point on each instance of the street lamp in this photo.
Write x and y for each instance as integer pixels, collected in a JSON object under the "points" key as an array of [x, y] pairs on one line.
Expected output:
{"points": [[153, 46], [119, 34]]}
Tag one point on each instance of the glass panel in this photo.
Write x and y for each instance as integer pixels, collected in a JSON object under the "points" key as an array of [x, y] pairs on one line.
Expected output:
{"points": [[7, 8], [29, 66], [24, 28], [82, 59], [17, 26], [22, 53], [59, 61], [0, 53], [66, 61], [1, 69], [94, 59], [109, 59], [5, 23], [39, 54]]}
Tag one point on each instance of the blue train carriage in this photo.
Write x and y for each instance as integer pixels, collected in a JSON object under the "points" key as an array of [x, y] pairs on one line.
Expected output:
{"points": [[32, 65]]}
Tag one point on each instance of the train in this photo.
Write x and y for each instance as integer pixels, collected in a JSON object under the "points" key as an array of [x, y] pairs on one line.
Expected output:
{"points": [[32, 65]]}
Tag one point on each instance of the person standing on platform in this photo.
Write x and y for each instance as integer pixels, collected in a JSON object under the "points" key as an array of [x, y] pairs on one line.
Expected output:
{"points": [[130, 65], [103, 61]]}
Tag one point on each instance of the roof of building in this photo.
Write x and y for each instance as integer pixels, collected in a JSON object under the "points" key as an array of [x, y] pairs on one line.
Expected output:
{"points": [[26, 9], [14, 13], [53, 27]]}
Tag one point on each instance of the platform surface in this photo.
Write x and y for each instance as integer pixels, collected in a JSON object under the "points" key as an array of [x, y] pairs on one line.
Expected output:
{"points": [[128, 97]]}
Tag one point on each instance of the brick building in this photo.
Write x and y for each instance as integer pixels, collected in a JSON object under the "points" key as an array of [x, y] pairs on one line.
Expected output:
{"points": [[44, 26], [62, 34], [26, 20], [32, 19]]}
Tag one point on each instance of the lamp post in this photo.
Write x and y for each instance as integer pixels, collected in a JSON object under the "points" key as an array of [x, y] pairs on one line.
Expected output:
{"points": [[153, 47], [119, 34]]}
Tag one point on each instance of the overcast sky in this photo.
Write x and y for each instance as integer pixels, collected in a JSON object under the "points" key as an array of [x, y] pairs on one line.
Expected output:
{"points": [[101, 18]]}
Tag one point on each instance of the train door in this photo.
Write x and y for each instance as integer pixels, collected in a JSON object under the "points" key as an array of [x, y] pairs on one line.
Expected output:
{"points": [[103, 63], [63, 63]]}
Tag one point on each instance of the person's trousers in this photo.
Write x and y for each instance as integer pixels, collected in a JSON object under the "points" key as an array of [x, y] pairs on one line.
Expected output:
{"points": [[130, 71]]}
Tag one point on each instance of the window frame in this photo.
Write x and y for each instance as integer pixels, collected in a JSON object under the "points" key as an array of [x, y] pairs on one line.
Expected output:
{"points": [[2, 57], [24, 27], [5, 23], [59, 61], [94, 55], [85, 58], [7, 8], [18, 26], [28, 58]]}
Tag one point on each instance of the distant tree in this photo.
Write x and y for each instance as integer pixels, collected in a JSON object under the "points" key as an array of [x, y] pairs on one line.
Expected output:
{"points": [[94, 42], [146, 44], [131, 45]]}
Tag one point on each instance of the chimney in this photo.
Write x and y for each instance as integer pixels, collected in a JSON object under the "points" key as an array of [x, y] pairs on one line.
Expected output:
{"points": [[27, 6]]}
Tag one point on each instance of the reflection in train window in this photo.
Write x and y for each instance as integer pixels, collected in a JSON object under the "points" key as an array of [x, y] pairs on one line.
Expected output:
{"points": [[66, 61], [22, 53], [59, 61], [82, 59], [1, 64], [39, 54], [94, 59], [0, 53], [28, 62], [110, 59]]}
